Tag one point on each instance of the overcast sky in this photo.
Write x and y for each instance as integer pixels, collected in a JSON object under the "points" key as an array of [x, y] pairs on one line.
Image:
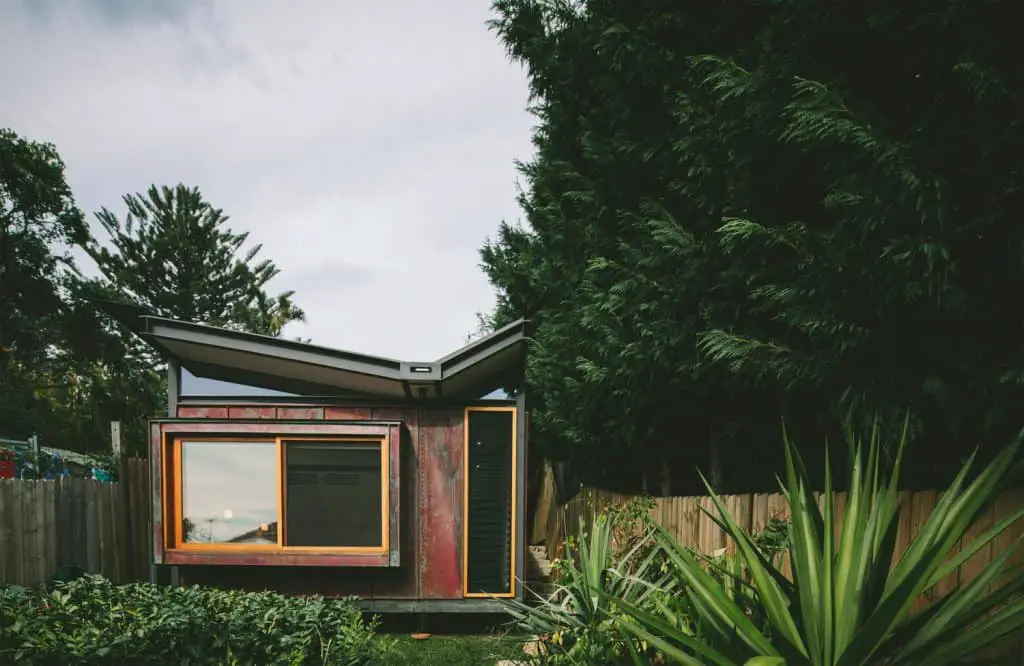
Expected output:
{"points": [[368, 146]]}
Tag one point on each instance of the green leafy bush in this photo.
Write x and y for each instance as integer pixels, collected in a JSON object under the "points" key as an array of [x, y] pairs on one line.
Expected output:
{"points": [[91, 621]]}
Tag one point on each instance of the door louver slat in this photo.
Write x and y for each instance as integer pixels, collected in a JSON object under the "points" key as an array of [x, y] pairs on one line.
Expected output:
{"points": [[489, 522]]}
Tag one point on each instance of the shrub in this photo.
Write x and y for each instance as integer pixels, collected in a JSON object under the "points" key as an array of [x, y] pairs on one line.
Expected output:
{"points": [[576, 620], [851, 599], [91, 621]]}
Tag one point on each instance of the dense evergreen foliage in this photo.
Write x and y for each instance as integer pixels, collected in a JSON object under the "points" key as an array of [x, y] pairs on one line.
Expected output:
{"points": [[168, 250], [741, 211]]}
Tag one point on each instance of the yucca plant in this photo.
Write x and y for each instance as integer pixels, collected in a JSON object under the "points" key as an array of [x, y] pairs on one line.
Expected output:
{"points": [[850, 603], [577, 617]]}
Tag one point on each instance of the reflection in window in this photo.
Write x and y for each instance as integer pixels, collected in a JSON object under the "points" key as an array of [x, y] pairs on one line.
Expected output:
{"points": [[229, 492], [333, 494], [192, 385]]}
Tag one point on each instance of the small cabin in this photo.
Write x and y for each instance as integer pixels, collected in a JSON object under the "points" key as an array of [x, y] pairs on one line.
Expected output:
{"points": [[307, 470]]}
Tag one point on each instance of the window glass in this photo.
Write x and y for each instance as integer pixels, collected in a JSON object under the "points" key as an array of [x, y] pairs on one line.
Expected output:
{"points": [[333, 494], [229, 492], [194, 386]]}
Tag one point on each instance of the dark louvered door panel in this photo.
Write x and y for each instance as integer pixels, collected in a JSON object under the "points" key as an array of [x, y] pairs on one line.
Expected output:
{"points": [[490, 502]]}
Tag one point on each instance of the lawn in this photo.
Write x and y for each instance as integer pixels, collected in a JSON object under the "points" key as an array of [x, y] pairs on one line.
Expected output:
{"points": [[456, 650]]}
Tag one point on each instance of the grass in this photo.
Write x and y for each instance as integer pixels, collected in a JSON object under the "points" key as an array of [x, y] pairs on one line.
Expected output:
{"points": [[456, 650], [456, 639]]}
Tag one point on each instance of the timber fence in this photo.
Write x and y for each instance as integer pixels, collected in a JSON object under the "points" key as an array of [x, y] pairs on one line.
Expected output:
{"points": [[692, 527], [97, 526]]}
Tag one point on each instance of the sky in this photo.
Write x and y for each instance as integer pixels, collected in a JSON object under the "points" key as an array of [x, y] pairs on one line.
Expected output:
{"points": [[369, 147]]}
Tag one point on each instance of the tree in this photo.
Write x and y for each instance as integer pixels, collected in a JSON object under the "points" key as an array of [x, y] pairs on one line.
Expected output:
{"points": [[174, 254], [39, 224], [742, 210]]}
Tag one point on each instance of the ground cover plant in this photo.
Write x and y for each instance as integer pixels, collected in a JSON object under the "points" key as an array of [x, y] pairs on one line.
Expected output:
{"points": [[91, 621]]}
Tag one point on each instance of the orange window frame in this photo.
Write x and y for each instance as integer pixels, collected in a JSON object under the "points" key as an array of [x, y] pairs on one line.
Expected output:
{"points": [[513, 555], [174, 538]]}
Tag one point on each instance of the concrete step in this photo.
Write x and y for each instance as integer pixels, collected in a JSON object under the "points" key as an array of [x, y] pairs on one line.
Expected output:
{"points": [[538, 573]]}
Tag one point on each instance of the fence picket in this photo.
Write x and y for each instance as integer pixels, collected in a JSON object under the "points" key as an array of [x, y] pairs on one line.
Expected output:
{"points": [[101, 527], [682, 517]]}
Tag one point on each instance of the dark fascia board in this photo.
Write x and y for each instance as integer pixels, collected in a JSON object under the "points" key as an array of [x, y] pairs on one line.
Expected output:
{"points": [[263, 345], [155, 329], [482, 349], [159, 328], [152, 328]]}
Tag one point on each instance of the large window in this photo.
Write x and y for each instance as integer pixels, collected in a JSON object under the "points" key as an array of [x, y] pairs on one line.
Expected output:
{"points": [[288, 494]]}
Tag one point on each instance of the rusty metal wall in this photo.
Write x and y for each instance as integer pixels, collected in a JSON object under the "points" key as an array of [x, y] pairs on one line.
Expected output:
{"points": [[430, 517]]}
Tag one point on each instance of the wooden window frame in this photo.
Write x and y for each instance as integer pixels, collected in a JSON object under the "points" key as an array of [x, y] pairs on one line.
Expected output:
{"points": [[513, 545], [169, 510]]}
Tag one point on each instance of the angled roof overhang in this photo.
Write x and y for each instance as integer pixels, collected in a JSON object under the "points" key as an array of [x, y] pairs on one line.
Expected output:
{"points": [[484, 365]]}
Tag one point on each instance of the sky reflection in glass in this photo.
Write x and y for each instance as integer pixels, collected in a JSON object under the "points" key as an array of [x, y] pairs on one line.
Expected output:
{"points": [[229, 492]]}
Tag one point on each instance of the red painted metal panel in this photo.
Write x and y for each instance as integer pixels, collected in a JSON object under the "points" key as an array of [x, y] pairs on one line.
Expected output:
{"points": [[275, 559], [252, 413], [440, 509], [403, 582], [186, 412], [426, 509], [408, 415], [347, 413], [300, 413], [273, 427], [332, 582]]}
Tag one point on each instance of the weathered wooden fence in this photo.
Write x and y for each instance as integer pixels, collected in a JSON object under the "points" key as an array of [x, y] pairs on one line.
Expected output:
{"points": [[683, 517], [100, 527]]}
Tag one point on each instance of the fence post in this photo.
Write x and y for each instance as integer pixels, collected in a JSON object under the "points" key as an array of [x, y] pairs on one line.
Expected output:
{"points": [[115, 440]]}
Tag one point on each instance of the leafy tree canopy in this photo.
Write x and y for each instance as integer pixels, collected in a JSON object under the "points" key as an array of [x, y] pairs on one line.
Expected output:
{"points": [[39, 224], [173, 253], [742, 210], [65, 373]]}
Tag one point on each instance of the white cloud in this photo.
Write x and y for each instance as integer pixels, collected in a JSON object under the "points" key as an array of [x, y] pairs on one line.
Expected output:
{"points": [[368, 146]]}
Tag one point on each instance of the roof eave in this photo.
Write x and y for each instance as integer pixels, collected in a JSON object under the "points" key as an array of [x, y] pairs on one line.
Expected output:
{"points": [[493, 357], [477, 351], [288, 350]]}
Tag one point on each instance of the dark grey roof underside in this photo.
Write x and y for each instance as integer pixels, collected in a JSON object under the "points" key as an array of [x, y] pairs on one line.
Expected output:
{"points": [[487, 364]]}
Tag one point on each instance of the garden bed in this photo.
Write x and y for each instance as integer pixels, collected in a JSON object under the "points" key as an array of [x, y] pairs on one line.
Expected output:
{"points": [[92, 621]]}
